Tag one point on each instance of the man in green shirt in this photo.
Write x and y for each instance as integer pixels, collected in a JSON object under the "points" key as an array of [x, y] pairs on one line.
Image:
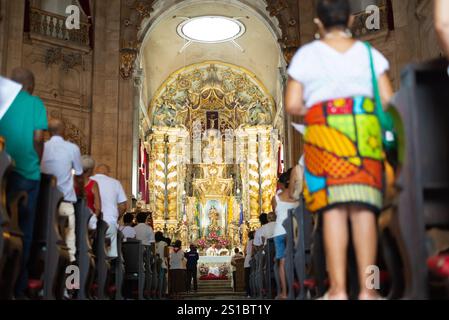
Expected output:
{"points": [[23, 127]]}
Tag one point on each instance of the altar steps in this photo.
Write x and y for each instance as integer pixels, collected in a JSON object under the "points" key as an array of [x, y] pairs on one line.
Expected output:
{"points": [[213, 286]]}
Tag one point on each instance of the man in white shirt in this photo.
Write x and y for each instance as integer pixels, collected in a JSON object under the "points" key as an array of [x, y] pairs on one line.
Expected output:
{"points": [[144, 232], [258, 241], [113, 203], [60, 159], [269, 227]]}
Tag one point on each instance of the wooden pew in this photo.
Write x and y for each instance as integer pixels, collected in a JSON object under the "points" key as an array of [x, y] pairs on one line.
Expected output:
{"points": [[102, 263], [84, 254], [290, 254], [302, 256], [118, 268], [269, 268], [134, 265], [423, 204], [10, 234], [49, 254]]}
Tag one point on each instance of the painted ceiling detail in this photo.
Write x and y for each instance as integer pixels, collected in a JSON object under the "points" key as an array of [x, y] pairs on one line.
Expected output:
{"points": [[211, 90]]}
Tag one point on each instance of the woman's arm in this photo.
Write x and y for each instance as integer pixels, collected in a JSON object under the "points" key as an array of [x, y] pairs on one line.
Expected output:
{"points": [[442, 23], [294, 100], [292, 184], [386, 90], [273, 203]]}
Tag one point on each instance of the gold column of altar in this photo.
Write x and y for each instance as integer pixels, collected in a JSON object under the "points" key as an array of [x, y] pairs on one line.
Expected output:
{"points": [[172, 181], [253, 178], [268, 167], [158, 180]]}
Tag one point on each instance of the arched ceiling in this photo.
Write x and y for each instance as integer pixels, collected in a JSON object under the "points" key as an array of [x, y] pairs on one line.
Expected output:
{"points": [[160, 53]]}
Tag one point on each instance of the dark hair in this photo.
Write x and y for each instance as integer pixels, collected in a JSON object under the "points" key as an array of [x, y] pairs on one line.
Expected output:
{"points": [[178, 244], [334, 13], [159, 236], [285, 178], [141, 217], [263, 218], [168, 241], [236, 250], [128, 218], [251, 235]]}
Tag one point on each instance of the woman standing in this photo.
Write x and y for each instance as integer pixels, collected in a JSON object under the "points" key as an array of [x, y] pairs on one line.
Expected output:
{"points": [[282, 203], [91, 190], [177, 270], [331, 85], [247, 263]]}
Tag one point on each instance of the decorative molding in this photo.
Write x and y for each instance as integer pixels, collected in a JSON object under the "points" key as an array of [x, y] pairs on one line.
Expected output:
{"points": [[287, 13], [128, 58], [67, 60]]}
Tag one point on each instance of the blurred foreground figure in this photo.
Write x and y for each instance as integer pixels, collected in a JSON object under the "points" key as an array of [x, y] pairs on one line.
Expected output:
{"points": [[442, 23], [23, 128]]}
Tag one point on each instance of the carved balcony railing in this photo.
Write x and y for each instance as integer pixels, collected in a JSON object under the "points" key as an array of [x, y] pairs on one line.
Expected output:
{"points": [[51, 25]]}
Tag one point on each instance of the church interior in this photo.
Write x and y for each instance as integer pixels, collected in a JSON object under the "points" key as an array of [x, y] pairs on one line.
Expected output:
{"points": [[183, 101]]}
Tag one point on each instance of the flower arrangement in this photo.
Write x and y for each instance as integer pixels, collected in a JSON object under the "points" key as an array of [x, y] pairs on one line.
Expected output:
{"points": [[213, 238], [204, 270], [224, 270]]}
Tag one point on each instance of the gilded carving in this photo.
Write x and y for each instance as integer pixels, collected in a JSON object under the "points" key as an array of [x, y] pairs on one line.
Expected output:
{"points": [[193, 91]]}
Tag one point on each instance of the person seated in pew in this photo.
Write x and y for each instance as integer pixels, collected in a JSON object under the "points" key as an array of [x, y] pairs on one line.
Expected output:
{"points": [[282, 203], [22, 127], [442, 23], [62, 159], [113, 203], [144, 232], [127, 229]]}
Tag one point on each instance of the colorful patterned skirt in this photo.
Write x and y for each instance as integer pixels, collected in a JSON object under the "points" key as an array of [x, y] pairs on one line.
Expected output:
{"points": [[343, 155]]}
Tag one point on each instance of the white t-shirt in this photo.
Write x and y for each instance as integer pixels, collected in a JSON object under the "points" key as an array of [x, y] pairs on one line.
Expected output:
{"points": [[177, 260], [111, 193], [269, 230], [282, 209], [59, 159], [128, 232], [145, 234], [160, 250], [327, 74]]}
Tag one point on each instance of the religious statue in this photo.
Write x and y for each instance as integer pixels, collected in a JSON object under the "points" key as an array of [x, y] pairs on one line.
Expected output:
{"points": [[213, 153], [213, 217], [183, 234]]}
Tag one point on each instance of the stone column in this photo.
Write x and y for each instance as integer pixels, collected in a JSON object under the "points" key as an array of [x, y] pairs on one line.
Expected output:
{"points": [[11, 38]]}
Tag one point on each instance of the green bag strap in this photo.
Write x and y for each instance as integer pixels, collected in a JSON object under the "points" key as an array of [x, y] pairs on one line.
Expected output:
{"points": [[384, 119]]}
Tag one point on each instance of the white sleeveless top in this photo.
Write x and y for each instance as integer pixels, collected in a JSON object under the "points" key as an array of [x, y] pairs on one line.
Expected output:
{"points": [[282, 209], [328, 74]]}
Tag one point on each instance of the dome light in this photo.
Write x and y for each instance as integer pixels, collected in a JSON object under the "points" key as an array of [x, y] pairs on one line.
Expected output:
{"points": [[211, 29]]}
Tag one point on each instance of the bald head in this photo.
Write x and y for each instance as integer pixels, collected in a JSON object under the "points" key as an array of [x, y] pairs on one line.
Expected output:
{"points": [[103, 169], [56, 127], [25, 77]]}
